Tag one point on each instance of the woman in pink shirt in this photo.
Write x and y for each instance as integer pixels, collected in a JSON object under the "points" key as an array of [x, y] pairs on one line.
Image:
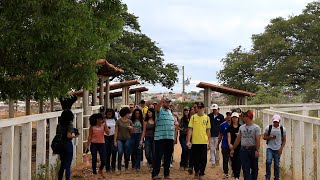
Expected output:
{"points": [[96, 141]]}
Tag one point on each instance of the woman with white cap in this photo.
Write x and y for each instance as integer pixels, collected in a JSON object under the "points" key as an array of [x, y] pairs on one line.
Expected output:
{"points": [[232, 131]]}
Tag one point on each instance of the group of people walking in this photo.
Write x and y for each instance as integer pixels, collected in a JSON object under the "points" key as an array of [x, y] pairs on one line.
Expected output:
{"points": [[155, 129]]}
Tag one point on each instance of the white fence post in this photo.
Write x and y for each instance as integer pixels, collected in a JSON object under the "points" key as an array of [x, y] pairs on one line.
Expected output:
{"points": [[287, 149], [26, 151], [265, 122], [41, 144], [52, 133], [318, 151], [308, 152], [80, 138], [16, 152], [297, 156], [7, 153]]}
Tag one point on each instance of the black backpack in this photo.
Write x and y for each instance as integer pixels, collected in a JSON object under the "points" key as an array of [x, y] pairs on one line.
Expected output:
{"points": [[58, 142], [269, 131]]}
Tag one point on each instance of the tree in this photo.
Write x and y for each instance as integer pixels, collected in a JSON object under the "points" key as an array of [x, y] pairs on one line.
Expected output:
{"points": [[286, 55], [50, 47], [139, 56]]}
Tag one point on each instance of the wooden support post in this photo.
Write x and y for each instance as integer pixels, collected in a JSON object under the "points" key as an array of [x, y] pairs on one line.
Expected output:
{"points": [[288, 148], [17, 152], [52, 133], [125, 95], [41, 144], [40, 106], [94, 95], [207, 99], [74, 141], [137, 98], [51, 104], [297, 150], [107, 93], [101, 91], [26, 151], [308, 152], [85, 111], [11, 108], [7, 153], [28, 106], [80, 138], [112, 103]]}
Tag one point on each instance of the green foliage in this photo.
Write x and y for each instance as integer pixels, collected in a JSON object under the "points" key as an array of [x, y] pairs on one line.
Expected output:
{"points": [[286, 56], [49, 47], [140, 57]]}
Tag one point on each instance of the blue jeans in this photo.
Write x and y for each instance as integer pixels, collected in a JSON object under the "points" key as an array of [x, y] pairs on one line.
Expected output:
{"points": [[111, 150], [249, 163], [273, 154], [123, 148], [184, 153], [66, 160], [95, 148], [149, 149], [136, 152]]}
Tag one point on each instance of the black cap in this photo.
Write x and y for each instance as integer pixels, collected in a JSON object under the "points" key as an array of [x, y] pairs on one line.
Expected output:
{"points": [[200, 104], [142, 102], [102, 109]]}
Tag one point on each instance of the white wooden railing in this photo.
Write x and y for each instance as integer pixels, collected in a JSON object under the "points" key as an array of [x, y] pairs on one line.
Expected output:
{"points": [[16, 149]]}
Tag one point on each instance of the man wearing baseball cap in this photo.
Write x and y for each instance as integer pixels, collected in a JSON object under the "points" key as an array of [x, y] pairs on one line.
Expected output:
{"points": [[216, 119], [250, 135], [275, 135]]}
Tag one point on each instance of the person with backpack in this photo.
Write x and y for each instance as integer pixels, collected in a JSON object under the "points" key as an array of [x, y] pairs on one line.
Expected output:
{"points": [[275, 136], [111, 151], [199, 129], [66, 133], [96, 141]]}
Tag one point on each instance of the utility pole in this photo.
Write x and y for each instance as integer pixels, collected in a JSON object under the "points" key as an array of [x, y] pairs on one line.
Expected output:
{"points": [[183, 81]]}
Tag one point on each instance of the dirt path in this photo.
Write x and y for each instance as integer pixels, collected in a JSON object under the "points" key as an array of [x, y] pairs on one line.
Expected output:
{"points": [[84, 172]]}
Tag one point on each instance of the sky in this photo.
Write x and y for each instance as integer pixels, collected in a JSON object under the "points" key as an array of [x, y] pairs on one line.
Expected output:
{"points": [[198, 34]]}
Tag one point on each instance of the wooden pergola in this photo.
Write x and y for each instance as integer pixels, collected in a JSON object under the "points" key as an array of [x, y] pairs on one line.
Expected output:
{"points": [[136, 91], [124, 93], [241, 96]]}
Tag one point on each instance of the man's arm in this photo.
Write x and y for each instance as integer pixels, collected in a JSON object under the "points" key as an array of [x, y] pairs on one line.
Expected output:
{"points": [[160, 104], [190, 130], [283, 143], [219, 140], [237, 141], [209, 136]]}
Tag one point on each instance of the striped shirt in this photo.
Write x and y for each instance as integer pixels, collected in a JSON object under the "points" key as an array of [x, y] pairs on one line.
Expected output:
{"points": [[164, 125]]}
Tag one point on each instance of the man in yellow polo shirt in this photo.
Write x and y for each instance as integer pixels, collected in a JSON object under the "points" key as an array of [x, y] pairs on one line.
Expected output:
{"points": [[199, 129]]}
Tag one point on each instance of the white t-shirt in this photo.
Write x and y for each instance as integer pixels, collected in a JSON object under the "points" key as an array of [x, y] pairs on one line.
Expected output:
{"points": [[112, 124], [275, 144]]}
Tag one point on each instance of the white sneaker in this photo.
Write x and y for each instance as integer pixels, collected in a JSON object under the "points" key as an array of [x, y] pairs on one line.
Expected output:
{"points": [[171, 166], [226, 176], [236, 178]]}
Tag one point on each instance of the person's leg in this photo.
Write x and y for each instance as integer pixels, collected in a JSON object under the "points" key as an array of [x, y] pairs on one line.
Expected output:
{"points": [[62, 168], [69, 160], [108, 145], [236, 163], [268, 163], [217, 152], [120, 153], [196, 158], [127, 150], [114, 154], [225, 156], [102, 154], [212, 151], [138, 151], [245, 164], [276, 160], [254, 165], [203, 159], [182, 140], [157, 155], [93, 149], [168, 149], [148, 150]]}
